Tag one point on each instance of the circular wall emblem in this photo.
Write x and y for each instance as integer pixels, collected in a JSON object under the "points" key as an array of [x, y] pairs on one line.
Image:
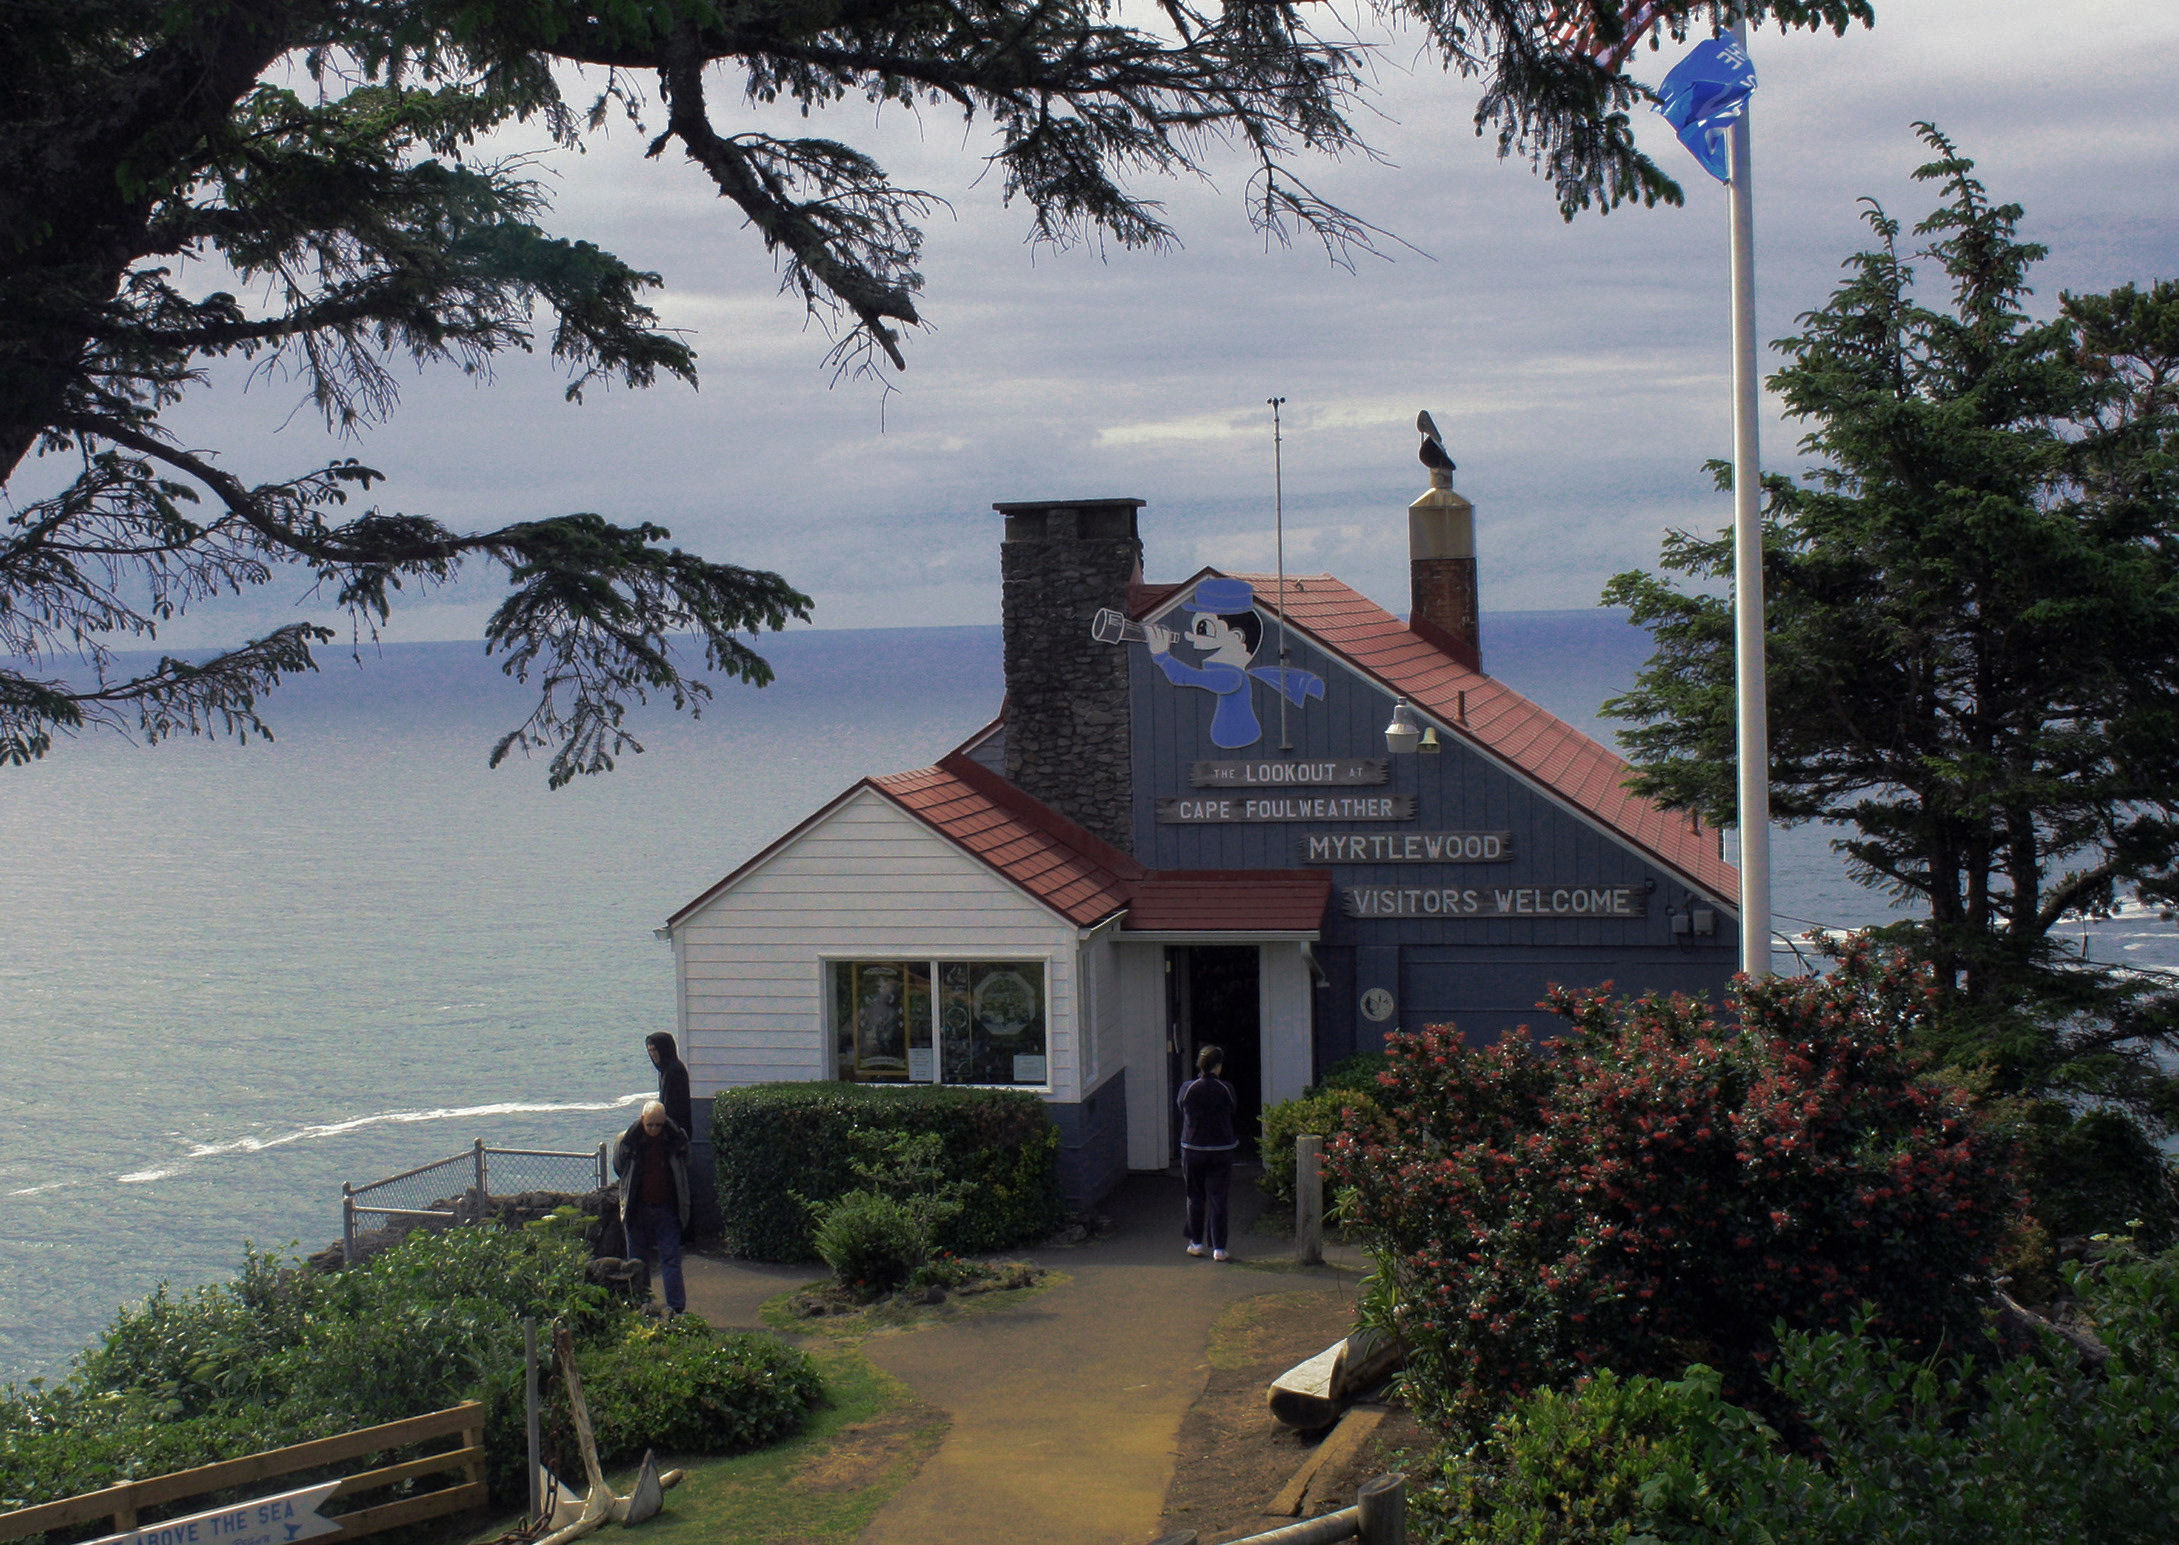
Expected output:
{"points": [[1377, 1005]]}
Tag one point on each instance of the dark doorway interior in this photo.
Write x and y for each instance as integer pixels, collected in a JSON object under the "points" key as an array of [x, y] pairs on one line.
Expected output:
{"points": [[1212, 997]]}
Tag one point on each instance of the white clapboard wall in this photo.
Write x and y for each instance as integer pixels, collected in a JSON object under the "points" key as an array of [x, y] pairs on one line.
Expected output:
{"points": [[867, 881]]}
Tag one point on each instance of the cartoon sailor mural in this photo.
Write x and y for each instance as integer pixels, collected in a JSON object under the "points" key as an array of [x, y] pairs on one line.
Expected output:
{"points": [[1227, 627]]}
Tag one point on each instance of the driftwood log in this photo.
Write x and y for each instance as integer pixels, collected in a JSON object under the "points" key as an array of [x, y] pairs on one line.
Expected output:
{"points": [[1312, 1394], [2017, 1320]]}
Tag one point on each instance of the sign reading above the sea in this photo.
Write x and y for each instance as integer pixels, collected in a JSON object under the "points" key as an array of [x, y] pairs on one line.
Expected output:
{"points": [[1344, 772], [1210, 809], [282, 1520], [1569, 901]]}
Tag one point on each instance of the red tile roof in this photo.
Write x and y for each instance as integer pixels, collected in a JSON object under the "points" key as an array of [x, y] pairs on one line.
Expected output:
{"points": [[1495, 719], [1077, 874], [1229, 901]]}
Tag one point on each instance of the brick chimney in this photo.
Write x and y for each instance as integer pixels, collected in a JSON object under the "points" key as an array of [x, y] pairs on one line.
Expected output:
{"points": [[1068, 740], [1441, 572]]}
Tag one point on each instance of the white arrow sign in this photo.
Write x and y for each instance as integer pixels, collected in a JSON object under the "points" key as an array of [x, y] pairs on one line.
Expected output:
{"points": [[281, 1520]]}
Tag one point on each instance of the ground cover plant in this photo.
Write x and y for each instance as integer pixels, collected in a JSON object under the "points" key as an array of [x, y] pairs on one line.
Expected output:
{"points": [[2043, 1449], [1659, 1189], [284, 1354], [786, 1151]]}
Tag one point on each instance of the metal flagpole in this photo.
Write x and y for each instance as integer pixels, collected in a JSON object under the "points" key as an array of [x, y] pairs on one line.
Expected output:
{"points": [[1751, 692], [1278, 507]]}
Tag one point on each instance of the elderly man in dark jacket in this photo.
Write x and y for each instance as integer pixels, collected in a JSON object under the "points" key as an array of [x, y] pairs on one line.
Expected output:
{"points": [[652, 1162]]}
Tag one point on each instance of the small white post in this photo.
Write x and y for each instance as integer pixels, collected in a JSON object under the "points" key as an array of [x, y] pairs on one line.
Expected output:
{"points": [[1309, 1199]]}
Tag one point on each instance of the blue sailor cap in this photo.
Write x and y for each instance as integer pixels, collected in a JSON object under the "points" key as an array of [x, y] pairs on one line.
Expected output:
{"points": [[1224, 596]]}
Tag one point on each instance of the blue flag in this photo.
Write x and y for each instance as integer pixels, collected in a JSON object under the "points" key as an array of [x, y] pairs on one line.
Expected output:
{"points": [[1702, 96]]}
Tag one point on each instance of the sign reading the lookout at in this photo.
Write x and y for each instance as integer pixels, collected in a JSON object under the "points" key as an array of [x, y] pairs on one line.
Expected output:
{"points": [[1336, 772], [290, 1516], [1495, 901]]}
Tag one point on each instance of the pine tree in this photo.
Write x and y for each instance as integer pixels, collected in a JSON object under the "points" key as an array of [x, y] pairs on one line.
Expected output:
{"points": [[1973, 646]]}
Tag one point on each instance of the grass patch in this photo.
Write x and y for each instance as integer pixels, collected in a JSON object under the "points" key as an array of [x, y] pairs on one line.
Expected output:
{"points": [[822, 1486], [887, 1315]]}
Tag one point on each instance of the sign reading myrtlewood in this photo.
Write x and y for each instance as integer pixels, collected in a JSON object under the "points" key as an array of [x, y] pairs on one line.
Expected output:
{"points": [[1407, 847], [1567, 901]]}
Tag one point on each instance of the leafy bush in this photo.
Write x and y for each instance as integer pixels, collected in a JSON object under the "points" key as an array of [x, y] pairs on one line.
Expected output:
{"points": [[1331, 1110], [872, 1243], [1358, 1071], [283, 1355], [670, 1385], [782, 1148], [1661, 1191], [2034, 1450]]}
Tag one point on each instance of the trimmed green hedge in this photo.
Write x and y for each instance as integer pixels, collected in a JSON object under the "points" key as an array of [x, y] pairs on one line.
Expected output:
{"points": [[778, 1146]]}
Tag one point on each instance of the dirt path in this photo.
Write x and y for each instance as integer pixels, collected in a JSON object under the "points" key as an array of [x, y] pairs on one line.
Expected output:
{"points": [[1065, 1410]]}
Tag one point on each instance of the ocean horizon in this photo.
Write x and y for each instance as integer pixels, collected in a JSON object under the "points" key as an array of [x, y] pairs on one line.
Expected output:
{"points": [[235, 977]]}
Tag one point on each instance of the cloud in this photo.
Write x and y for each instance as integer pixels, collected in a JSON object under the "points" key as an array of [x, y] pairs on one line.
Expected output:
{"points": [[1580, 370]]}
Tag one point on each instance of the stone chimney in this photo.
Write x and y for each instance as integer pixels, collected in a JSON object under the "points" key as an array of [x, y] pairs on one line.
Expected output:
{"points": [[1441, 572], [1068, 740]]}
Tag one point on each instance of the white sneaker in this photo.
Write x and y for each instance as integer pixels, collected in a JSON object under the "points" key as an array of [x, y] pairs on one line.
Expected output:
{"points": [[1220, 1255], [1195, 1249]]}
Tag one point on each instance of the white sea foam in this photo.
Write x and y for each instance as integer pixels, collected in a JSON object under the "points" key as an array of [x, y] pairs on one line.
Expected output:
{"points": [[140, 1176], [50, 1185], [409, 1117]]}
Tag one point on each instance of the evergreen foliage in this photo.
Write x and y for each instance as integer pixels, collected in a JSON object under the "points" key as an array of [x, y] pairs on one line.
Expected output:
{"points": [[1973, 646], [306, 185], [784, 1151], [284, 1354]]}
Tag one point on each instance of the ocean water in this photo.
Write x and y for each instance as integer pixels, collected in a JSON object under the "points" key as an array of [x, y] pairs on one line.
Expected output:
{"points": [[231, 978]]}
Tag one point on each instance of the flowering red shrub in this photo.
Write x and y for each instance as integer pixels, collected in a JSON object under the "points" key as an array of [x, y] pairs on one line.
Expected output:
{"points": [[1655, 1189]]}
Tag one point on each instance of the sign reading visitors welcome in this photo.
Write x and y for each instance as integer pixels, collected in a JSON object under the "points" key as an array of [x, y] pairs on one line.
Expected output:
{"points": [[1407, 847], [1333, 772], [1185, 810], [1494, 901]]}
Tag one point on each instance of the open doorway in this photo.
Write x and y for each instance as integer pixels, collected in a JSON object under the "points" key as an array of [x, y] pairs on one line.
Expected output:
{"points": [[1212, 999]]}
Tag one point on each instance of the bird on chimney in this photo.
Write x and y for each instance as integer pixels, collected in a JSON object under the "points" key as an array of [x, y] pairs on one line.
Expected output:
{"points": [[1433, 453]]}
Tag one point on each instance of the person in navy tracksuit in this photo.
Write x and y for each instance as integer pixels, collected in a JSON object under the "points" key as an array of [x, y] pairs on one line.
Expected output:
{"points": [[1208, 1143]]}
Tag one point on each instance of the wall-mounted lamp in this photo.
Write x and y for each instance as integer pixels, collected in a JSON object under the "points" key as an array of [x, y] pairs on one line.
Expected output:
{"points": [[1403, 734]]}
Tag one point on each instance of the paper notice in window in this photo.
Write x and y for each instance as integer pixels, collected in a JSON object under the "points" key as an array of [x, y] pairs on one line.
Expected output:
{"points": [[1028, 1070], [922, 1066]]}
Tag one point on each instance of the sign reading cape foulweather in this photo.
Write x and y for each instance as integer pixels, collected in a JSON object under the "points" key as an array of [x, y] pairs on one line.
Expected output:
{"points": [[1407, 847], [1494, 900], [280, 1520], [1332, 772], [1190, 810]]}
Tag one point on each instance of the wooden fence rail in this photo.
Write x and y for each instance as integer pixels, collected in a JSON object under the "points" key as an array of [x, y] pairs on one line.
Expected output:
{"points": [[123, 1503]]}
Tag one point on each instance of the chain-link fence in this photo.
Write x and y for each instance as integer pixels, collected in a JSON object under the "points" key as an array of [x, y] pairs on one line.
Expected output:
{"points": [[458, 1189]]}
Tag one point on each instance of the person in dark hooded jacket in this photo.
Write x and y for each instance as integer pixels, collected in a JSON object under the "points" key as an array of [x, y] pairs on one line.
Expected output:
{"points": [[673, 1078]]}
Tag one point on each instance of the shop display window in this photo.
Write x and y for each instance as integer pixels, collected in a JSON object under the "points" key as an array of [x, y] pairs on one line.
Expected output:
{"points": [[940, 1021]]}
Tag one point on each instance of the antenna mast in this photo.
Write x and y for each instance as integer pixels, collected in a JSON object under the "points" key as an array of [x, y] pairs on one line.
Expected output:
{"points": [[1278, 508]]}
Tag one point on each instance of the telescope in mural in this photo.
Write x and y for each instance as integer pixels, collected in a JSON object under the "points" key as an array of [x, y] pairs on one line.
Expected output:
{"points": [[1227, 631]]}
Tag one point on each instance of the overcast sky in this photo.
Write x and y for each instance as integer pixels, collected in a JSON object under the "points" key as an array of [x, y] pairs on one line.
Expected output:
{"points": [[1580, 372]]}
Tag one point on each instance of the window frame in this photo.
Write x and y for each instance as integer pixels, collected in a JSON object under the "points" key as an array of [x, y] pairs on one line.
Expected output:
{"points": [[828, 961]]}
